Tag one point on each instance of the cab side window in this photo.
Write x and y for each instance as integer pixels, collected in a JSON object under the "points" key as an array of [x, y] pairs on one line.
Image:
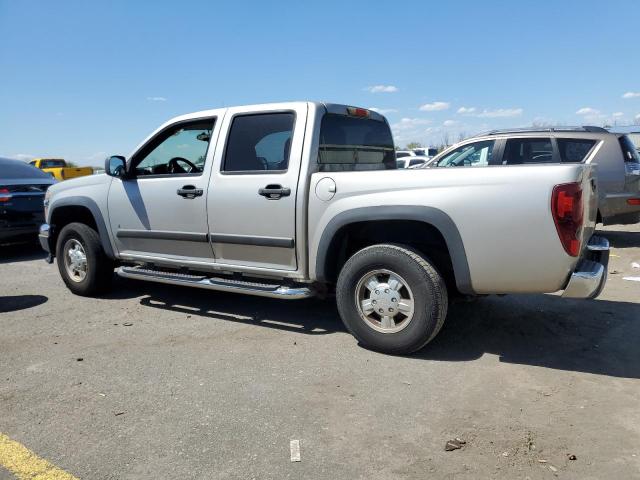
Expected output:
{"points": [[476, 154], [259, 143], [179, 150], [520, 151]]}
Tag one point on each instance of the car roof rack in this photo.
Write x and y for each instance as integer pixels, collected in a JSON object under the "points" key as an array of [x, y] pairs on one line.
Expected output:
{"points": [[584, 128]]}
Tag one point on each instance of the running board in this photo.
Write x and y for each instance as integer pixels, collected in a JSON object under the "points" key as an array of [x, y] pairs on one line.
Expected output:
{"points": [[216, 283]]}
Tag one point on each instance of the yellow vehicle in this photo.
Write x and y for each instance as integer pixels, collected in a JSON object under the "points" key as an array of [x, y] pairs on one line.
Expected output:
{"points": [[59, 169]]}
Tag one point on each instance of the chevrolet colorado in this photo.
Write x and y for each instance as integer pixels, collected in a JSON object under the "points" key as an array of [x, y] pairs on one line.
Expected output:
{"points": [[297, 199]]}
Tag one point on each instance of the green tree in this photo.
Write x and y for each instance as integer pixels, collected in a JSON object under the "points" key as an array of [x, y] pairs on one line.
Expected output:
{"points": [[412, 145]]}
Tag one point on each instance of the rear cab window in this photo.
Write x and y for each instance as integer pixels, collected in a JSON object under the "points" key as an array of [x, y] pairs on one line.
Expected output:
{"points": [[355, 144], [52, 164]]}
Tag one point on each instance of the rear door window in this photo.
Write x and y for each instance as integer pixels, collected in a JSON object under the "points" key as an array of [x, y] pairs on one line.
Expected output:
{"points": [[355, 144], [629, 150], [520, 151], [259, 143], [574, 150]]}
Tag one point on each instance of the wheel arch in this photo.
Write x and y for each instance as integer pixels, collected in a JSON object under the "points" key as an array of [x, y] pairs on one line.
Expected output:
{"points": [[78, 209], [428, 219]]}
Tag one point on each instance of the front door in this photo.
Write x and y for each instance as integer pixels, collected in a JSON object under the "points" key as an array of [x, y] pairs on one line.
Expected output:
{"points": [[159, 211], [253, 188]]}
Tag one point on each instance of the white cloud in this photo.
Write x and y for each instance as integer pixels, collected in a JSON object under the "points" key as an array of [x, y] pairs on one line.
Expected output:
{"points": [[500, 113], [617, 114], [637, 118], [450, 123], [382, 89], [466, 110], [410, 124], [25, 157], [383, 111], [588, 111], [434, 107], [631, 95], [156, 99]]}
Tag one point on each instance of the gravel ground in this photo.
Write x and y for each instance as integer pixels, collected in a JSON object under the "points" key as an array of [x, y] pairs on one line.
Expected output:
{"points": [[158, 382]]}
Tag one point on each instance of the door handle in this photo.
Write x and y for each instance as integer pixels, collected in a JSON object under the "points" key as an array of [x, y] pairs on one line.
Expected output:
{"points": [[190, 191], [274, 192]]}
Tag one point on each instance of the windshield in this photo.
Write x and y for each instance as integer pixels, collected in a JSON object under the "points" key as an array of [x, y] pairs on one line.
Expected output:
{"points": [[469, 155], [355, 144]]}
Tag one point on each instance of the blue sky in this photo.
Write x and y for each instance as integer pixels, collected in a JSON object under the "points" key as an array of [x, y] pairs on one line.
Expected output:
{"points": [[81, 80]]}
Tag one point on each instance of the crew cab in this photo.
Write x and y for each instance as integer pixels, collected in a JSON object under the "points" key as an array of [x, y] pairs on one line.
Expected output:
{"points": [[292, 200], [59, 169]]}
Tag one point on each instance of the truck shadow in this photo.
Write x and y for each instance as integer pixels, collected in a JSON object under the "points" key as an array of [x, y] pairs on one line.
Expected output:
{"points": [[621, 239], [597, 336], [591, 336], [14, 303], [310, 317]]}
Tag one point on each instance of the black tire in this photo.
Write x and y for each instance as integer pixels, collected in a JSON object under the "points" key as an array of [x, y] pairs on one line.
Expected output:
{"points": [[99, 267], [427, 287]]}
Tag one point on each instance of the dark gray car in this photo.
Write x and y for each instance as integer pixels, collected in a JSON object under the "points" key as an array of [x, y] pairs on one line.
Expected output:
{"points": [[616, 157], [22, 189]]}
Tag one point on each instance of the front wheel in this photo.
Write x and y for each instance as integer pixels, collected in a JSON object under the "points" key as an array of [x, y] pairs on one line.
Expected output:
{"points": [[82, 263], [391, 298]]}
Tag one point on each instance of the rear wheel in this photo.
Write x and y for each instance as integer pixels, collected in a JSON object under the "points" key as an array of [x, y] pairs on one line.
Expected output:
{"points": [[391, 298], [82, 263]]}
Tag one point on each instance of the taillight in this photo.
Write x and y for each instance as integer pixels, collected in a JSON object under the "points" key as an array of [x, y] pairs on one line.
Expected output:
{"points": [[5, 195], [634, 201], [567, 211]]}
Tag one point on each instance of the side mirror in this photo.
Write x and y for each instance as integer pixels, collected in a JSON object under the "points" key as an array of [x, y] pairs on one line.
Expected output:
{"points": [[115, 166]]}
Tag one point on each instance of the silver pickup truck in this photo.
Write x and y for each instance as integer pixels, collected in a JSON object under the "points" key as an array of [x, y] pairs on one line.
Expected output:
{"points": [[291, 200]]}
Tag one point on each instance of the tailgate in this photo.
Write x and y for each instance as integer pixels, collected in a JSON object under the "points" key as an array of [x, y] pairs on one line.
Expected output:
{"points": [[590, 200], [74, 172]]}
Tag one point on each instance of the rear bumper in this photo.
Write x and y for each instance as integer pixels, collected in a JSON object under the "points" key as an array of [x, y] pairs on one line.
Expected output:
{"points": [[590, 275]]}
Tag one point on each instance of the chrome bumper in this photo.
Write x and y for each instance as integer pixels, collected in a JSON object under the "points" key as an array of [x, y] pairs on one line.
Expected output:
{"points": [[590, 275], [44, 238]]}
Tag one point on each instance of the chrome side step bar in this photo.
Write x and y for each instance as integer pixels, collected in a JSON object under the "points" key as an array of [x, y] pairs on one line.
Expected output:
{"points": [[216, 283]]}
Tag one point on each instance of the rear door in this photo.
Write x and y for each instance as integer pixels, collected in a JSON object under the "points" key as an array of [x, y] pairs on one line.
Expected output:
{"points": [[252, 194]]}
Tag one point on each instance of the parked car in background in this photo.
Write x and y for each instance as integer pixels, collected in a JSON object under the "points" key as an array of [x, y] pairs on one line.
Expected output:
{"points": [[615, 155], [426, 152], [59, 169], [414, 161], [22, 190], [297, 199], [404, 153]]}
